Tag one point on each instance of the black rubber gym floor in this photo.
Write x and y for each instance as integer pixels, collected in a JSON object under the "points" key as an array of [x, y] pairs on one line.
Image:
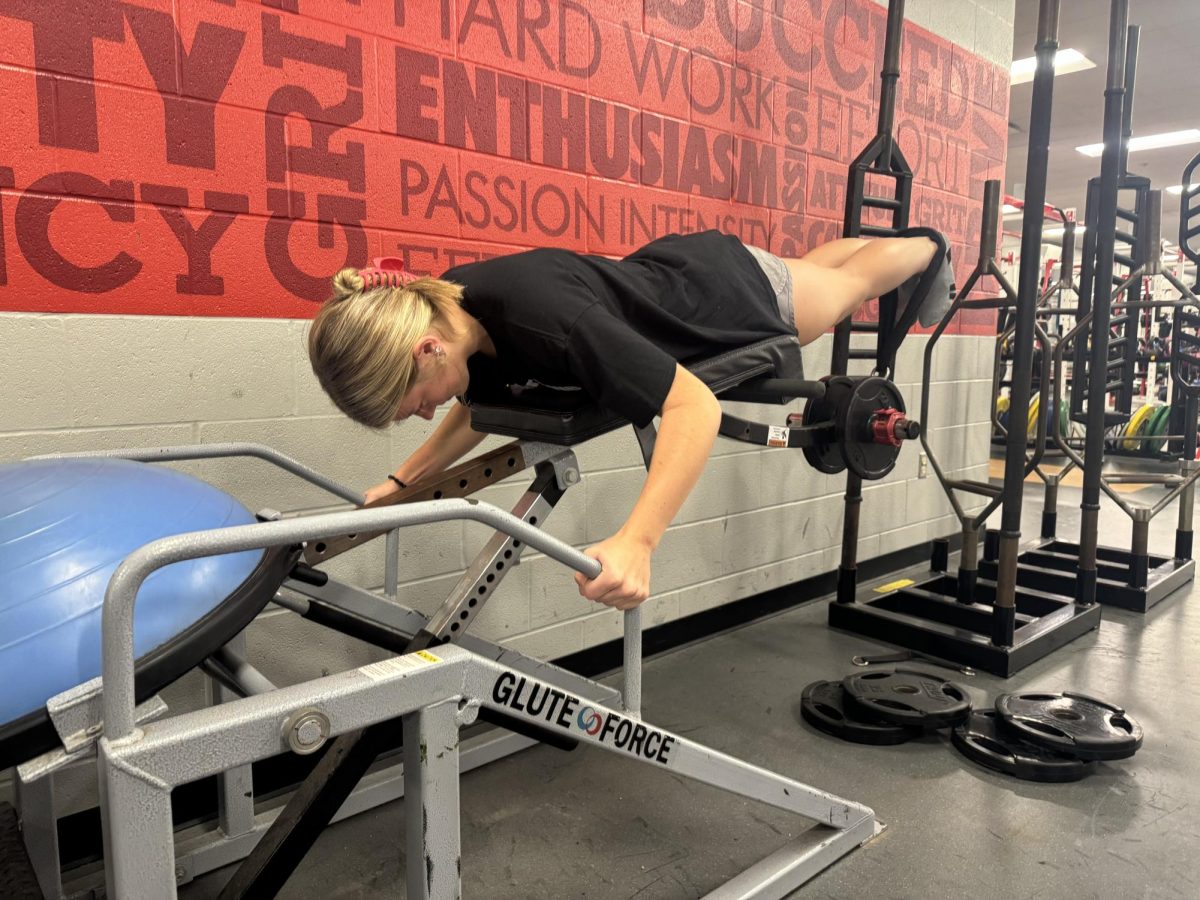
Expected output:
{"points": [[587, 825]]}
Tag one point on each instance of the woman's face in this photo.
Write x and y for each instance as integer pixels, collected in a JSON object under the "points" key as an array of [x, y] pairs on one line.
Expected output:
{"points": [[441, 379]]}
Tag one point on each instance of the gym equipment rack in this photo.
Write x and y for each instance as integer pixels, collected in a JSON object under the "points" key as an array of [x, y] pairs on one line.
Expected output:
{"points": [[981, 623], [1131, 579]]}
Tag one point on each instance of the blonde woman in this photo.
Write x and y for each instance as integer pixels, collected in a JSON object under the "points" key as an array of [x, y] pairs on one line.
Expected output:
{"points": [[387, 346]]}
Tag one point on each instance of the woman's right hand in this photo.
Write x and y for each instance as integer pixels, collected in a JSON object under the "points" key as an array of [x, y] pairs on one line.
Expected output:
{"points": [[379, 491]]}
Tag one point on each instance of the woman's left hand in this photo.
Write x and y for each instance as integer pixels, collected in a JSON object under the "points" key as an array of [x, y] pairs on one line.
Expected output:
{"points": [[625, 581]]}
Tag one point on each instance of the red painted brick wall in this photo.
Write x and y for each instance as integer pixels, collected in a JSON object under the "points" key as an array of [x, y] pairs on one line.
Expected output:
{"points": [[220, 158]]}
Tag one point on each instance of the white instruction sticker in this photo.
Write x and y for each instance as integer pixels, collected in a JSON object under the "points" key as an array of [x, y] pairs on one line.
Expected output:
{"points": [[406, 663], [777, 436]]}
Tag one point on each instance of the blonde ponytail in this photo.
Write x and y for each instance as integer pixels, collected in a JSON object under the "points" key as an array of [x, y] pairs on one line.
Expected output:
{"points": [[346, 283], [361, 342]]}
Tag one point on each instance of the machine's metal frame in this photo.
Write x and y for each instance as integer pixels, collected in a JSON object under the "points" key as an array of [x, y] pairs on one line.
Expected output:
{"points": [[344, 607], [435, 692], [143, 755]]}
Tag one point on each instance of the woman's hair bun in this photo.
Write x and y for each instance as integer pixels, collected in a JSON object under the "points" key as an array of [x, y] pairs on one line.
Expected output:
{"points": [[347, 282]]}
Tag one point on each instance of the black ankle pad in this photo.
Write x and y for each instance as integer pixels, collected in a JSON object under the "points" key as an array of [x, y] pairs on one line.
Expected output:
{"points": [[889, 341]]}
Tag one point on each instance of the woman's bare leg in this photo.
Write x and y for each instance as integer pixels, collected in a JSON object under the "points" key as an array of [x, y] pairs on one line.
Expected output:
{"points": [[833, 253], [823, 295]]}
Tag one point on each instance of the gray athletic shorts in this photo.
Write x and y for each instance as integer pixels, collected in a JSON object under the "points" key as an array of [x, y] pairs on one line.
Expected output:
{"points": [[780, 277]]}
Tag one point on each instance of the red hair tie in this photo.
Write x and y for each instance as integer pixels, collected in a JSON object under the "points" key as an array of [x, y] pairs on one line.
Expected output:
{"points": [[387, 270]]}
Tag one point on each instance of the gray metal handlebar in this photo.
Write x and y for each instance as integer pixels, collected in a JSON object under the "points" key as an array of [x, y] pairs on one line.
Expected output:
{"points": [[117, 619], [220, 451]]}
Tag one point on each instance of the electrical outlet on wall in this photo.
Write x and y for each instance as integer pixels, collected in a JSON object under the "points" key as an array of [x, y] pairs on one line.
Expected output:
{"points": [[923, 466]]}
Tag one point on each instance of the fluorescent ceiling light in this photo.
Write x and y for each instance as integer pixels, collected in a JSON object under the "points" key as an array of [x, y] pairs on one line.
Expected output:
{"points": [[1178, 188], [1059, 232], [1066, 61], [1149, 141]]}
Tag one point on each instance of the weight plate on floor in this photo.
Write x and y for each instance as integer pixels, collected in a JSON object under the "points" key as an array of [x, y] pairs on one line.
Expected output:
{"points": [[982, 739], [906, 697], [1143, 430], [1135, 425], [1158, 428], [823, 705], [1074, 724], [1137, 431], [1148, 431]]}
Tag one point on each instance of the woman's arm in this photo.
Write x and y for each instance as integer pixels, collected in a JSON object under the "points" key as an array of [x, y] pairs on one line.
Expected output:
{"points": [[451, 439], [691, 416]]}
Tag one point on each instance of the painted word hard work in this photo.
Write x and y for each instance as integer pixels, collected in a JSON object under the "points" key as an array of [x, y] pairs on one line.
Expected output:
{"points": [[221, 158]]}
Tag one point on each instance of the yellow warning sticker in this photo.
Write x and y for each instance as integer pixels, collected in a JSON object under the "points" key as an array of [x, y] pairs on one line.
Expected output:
{"points": [[894, 586], [388, 667]]}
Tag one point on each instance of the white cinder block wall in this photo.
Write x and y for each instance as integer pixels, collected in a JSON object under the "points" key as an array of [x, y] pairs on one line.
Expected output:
{"points": [[759, 519]]}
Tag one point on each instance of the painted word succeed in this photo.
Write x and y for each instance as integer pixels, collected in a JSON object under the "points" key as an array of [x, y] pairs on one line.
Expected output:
{"points": [[556, 707]]}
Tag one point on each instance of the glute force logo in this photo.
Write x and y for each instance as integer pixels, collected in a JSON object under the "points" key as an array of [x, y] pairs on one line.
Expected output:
{"points": [[539, 702]]}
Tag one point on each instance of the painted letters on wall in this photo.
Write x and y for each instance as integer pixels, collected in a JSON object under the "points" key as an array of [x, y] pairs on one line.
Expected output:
{"points": [[222, 158]]}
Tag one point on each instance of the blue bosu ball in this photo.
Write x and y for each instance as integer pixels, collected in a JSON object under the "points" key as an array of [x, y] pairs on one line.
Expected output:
{"points": [[65, 526]]}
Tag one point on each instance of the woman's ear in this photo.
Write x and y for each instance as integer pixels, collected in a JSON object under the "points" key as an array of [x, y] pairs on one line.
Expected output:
{"points": [[429, 345]]}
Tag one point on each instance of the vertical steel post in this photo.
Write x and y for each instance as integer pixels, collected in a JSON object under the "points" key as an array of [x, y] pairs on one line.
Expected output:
{"points": [[39, 829], [890, 73], [1066, 278], [1050, 508], [968, 561], [848, 569], [1132, 37], [1139, 555], [1102, 285], [631, 691], [431, 802], [235, 787], [991, 220], [847, 581], [1004, 610], [893, 41], [1183, 531]]}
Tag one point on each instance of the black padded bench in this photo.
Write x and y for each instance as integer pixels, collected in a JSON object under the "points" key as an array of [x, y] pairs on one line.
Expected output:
{"points": [[768, 371]]}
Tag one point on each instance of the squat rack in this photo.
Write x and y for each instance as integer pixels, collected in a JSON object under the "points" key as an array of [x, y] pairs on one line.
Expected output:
{"points": [[1090, 573], [985, 625]]}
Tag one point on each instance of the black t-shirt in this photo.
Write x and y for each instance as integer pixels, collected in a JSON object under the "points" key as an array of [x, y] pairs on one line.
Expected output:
{"points": [[616, 328]]}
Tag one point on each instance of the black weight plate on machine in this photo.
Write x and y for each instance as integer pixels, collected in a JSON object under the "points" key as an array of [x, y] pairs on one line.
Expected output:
{"points": [[866, 458], [823, 705], [906, 697], [984, 740], [825, 453], [1074, 724]]}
